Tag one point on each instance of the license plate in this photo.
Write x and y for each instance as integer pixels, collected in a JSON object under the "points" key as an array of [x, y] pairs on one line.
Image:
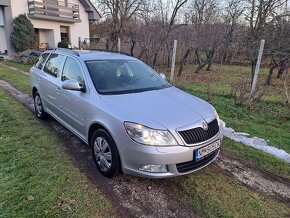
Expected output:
{"points": [[200, 153]]}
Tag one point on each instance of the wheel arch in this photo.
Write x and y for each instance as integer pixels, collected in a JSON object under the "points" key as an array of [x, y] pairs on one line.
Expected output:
{"points": [[97, 125], [34, 90]]}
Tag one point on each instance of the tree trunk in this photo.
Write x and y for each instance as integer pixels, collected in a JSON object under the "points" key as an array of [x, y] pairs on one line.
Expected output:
{"points": [[142, 53], [224, 58], [133, 44], [168, 59], [270, 75], [210, 57], [155, 57], [284, 66], [184, 62], [107, 44], [197, 56]]}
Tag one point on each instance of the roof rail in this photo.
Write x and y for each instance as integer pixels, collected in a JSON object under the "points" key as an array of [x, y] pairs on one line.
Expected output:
{"points": [[67, 51], [116, 52]]}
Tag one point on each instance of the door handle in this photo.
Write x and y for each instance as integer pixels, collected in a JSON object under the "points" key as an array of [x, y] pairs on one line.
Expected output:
{"points": [[58, 89]]}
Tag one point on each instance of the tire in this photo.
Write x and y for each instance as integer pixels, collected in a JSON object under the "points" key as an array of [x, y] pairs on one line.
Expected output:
{"points": [[105, 154], [38, 106]]}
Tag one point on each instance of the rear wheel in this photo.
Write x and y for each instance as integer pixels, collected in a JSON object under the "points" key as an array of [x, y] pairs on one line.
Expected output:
{"points": [[105, 153], [38, 106]]}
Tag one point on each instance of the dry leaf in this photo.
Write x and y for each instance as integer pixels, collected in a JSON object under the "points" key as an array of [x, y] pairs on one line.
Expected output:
{"points": [[30, 198]]}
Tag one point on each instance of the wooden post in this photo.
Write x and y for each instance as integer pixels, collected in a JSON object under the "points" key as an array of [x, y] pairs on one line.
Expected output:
{"points": [[258, 66], [173, 61]]}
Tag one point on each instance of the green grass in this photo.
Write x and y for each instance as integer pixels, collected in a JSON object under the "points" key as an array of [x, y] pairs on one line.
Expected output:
{"points": [[267, 120], [221, 78], [21, 66], [211, 193], [17, 79], [33, 162], [257, 158]]}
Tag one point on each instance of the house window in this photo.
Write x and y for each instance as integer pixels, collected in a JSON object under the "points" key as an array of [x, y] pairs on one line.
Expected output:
{"points": [[64, 33]]}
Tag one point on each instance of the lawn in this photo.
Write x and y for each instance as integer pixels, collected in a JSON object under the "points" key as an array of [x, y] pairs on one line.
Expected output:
{"points": [[20, 66], [17, 79], [37, 178], [212, 193]]}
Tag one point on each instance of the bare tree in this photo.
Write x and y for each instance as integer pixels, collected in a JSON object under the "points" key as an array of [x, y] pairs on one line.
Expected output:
{"points": [[206, 23], [232, 17], [168, 23], [119, 12], [259, 14]]}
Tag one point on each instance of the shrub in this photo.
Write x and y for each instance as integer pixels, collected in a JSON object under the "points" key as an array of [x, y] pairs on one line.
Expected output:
{"points": [[23, 35], [241, 93], [62, 44]]}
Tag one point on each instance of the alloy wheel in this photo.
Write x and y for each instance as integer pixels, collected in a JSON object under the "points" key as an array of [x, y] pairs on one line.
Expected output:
{"points": [[103, 154]]}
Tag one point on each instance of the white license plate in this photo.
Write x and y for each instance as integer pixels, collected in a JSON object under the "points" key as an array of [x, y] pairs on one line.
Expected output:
{"points": [[200, 153]]}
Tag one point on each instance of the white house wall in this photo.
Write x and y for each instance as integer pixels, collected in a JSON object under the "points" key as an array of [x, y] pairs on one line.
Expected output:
{"points": [[76, 29]]}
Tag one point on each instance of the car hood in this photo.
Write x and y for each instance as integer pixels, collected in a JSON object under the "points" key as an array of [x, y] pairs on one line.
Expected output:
{"points": [[169, 107]]}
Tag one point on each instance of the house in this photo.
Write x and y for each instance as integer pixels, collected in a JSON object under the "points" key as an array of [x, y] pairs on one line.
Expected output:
{"points": [[53, 20]]}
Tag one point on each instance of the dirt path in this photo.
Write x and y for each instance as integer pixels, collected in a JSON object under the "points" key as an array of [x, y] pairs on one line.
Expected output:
{"points": [[138, 197]]}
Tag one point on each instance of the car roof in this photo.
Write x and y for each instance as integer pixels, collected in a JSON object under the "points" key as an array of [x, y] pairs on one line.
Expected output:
{"points": [[88, 55]]}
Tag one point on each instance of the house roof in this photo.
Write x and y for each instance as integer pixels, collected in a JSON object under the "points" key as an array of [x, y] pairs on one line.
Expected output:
{"points": [[91, 10]]}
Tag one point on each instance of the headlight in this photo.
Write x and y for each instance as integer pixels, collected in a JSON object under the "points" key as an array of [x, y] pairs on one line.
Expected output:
{"points": [[217, 118], [148, 136]]}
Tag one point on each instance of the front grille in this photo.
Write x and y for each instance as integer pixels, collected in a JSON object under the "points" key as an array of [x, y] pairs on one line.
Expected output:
{"points": [[197, 135], [194, 165]]}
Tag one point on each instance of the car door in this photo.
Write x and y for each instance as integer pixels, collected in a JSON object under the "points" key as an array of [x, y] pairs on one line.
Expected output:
{"points": [[50, 83], [73, 104]]}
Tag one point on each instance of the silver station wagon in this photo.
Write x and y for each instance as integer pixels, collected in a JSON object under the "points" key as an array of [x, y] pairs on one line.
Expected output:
{"points": [[134, 121]]}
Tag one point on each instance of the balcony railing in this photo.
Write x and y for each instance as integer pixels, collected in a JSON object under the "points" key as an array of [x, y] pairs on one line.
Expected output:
{"points": [[54, 10]]}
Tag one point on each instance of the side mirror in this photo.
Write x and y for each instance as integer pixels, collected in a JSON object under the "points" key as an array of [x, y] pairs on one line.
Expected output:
{"points": [[162, 75], [72, 85]]}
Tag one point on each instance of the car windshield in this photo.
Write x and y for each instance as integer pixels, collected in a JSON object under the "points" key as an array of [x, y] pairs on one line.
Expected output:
{"points": [[124, 76]]}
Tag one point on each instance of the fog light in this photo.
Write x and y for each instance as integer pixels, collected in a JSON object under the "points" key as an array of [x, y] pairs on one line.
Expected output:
{"points": [[154, 168]]}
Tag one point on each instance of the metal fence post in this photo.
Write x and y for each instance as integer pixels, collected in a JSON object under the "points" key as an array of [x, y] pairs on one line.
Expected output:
{"points": [[258, 66], [173, 61]]}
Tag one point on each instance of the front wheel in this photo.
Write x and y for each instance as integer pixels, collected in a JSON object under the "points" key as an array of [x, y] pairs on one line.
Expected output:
{"points": [[38, 106], [105, 154]]}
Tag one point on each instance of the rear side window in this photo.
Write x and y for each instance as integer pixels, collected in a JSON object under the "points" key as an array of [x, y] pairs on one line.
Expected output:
{"points": [[53, 64], [41, 60], [72, 70]]}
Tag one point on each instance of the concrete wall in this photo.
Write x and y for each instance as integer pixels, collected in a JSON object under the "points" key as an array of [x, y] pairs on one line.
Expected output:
{"points": [[3, 41], [1, 16], [76, 29]]}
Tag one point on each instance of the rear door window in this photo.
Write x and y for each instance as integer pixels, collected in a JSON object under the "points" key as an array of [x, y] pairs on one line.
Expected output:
{"points": [[41, 60], [53, 65]]}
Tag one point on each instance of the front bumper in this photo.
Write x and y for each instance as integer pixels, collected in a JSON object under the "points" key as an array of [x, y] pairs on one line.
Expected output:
{"points": [[178, 159]]}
